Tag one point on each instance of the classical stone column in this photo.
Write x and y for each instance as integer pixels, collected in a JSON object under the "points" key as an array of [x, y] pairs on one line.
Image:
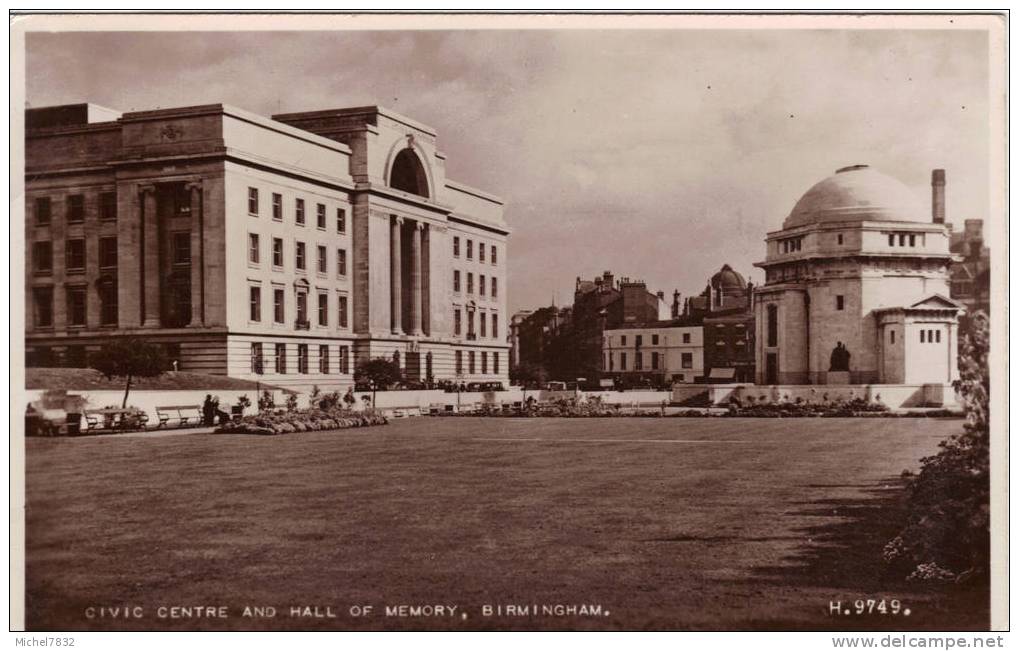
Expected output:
{"points": [[395, 271], [197, 257], [150, 256], [415, 278]]}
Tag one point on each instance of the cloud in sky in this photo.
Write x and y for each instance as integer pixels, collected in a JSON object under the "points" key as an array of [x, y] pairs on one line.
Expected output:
{"points": [[657, 154]]}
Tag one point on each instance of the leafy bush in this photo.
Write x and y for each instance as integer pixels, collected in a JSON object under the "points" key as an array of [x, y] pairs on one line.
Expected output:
{"points": [[947, 534], [310, 420]]}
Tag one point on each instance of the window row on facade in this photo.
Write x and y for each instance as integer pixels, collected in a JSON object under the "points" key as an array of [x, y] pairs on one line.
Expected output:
{"points": [[300, 256], [486, 287], [656, 360], [792, 244], [76, 302], [76, 258], [902, 239], [302, 321], [638, 340], [492, 255], [472, 358], [300, 211], [473, 334], [74, 208], [300, 361]]}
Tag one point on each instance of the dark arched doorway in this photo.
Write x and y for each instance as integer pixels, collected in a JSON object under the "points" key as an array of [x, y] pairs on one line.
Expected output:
{"points": [[408, 174]]}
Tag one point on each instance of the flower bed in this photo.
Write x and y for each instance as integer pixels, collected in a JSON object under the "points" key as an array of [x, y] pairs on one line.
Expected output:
{"points": [[311, 420]]}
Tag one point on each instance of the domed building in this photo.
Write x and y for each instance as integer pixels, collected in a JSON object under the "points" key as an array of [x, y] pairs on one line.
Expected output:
{"points": [[856, 287]]}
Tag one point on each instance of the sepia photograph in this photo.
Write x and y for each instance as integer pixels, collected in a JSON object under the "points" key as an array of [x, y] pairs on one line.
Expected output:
{"points": [[362, 322]]}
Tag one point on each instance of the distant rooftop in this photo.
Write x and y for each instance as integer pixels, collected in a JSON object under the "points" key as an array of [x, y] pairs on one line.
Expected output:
{"points": [[68, 115]]}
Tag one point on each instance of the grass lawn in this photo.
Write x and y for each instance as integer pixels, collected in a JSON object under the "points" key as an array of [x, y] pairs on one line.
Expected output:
{"points": [[666, 524]]}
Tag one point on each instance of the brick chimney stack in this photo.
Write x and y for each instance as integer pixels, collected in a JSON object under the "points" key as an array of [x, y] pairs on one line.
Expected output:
{"points": [[938, 196]]}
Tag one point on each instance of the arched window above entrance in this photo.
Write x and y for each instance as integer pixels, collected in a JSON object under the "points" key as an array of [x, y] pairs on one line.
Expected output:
{"points": [[408, 174]]}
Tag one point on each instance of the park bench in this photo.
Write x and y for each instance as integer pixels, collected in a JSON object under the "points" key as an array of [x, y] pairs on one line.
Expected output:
{"points": [[113, 419], [179, 413]]}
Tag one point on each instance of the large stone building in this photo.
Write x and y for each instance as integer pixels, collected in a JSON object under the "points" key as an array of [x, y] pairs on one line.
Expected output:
{"points": [[971, 273], [285, 249], [658, 353], [856, 288]]}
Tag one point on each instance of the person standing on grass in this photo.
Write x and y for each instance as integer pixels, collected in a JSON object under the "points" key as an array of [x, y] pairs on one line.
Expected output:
{"points": [[208, 411]]}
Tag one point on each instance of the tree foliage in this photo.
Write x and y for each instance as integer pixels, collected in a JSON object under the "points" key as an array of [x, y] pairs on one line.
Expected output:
{"points": [[380, 373], [947, 535], [129, 358]]}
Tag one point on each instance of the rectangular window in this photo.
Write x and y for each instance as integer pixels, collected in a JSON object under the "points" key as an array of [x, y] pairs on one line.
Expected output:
{"points": [[483, 323], [299, 260], [495, 326], [654, 340], [457, 323], [255, 303], [278, 306], [321, 216], [323, 358], [495, 363], [622, 340], [281, 358], [302, 309], [75, 255], [253, 254], [456, 280], [341, 220], [323, 309], [686, 360], [481, 284], [277, 206], [654, 361], [43, 211], [343, 311], [470, 326], [108, 305], [77, 306], [256, 358], [107, 252], [43, 306], [470, 249], [937, 336], [891, 334], [42, 256], [459, 362], [75, 208], [891, 239], [494, 255], [470, 362], [181, 247], [341, 262], [456, 247], [622, 361], [840, 302], [638, 340], [923, 336], [495, 287], [302, 358], [108, 206], [344, 359], [912, 240], [481, 251], [638, 361], [840, 238], [277, 251], [484, 362], [470, 283], [253, 201], [323, 261], [299, 212], [902, 239]]}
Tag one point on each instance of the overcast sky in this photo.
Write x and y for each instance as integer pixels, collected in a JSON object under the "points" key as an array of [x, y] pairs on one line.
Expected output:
{"points": [[658, 155]]}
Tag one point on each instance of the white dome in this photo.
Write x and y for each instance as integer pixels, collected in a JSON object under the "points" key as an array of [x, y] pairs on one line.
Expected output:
{"points": [[856, 193]]}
